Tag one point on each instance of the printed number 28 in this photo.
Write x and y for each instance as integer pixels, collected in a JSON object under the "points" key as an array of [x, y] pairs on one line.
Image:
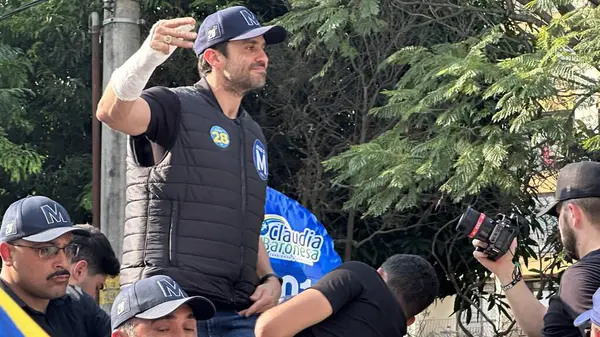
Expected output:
{"points": [[220, 137]]}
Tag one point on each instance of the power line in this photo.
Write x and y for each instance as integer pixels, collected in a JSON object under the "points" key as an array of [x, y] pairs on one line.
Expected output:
{"points": [[20, 9]]}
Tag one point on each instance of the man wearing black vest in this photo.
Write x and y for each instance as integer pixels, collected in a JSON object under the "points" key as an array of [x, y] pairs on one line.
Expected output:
{"points": [[197, 167]]}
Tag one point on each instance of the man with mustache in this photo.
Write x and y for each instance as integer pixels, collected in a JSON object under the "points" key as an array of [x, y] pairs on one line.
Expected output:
{"points": [[36, 249], [197, 167], [577, 206]]}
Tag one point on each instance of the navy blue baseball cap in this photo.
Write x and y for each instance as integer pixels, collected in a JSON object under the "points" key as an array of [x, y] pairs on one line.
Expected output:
{"points": [[591, 315], [234, 23], [156, 297], [36, 219]]}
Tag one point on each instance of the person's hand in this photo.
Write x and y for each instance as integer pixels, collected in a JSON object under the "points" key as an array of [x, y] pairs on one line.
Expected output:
{"points": [[503, 267], [168, 34], [265, 297]]}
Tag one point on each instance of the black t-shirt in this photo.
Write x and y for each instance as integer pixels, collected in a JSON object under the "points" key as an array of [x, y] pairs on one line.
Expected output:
{"points": [[362, 303], [151, 146], [75, 314], [577, 287], [164, 115]]}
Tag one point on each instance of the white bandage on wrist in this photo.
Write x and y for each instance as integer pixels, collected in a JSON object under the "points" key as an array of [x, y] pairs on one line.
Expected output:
{"points": [[129, 80]]}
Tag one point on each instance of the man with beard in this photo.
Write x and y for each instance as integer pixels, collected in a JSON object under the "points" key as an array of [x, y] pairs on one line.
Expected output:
{"points": [[36, 249], [197, 167], [577, 206]]}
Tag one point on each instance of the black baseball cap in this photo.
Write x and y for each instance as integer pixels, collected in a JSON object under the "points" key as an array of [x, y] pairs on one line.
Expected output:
{"points": [[156, 297], [575, 181], [36, 219], [234, 23]]}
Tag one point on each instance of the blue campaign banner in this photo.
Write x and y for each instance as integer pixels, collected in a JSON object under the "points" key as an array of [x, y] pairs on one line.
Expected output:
{"points": [[299, 248]]}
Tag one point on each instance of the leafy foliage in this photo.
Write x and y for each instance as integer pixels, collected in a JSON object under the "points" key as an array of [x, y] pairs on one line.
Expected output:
{"points": [[470, 123], [53, 120], [17, 160], [468, 120]]}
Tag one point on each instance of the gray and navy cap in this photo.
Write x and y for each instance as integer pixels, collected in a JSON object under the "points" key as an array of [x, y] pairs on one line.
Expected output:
{"points": [[36, 219], [575, 181], [154, 298], [234, 23]]}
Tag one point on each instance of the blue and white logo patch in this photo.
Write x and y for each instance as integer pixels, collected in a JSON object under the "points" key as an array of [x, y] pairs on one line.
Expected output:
{"points": [[260, 160], [219, 136], [123, 306], [213, 32]]}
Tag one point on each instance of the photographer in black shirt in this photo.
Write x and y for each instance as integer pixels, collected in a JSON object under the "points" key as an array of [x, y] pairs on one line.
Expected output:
{"points": [[357, 300], [577, 207]]}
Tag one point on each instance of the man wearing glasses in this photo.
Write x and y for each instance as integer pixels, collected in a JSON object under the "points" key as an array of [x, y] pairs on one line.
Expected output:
{"points": [[36, 249]]}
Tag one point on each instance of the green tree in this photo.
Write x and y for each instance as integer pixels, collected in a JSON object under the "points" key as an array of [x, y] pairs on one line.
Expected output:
{"points": [[480, 90], [17, 160], [54, 119]]}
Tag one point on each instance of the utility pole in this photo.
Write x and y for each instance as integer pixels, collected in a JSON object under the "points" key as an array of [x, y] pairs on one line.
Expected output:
{"points": [[121, 39], [96, 28]]}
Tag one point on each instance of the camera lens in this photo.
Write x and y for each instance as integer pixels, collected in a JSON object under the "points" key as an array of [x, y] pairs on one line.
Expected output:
{"points": [[475, 224], [467, 220]]}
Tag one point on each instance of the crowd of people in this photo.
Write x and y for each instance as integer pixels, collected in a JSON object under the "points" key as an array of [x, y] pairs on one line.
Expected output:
{"points": [[193, 262]]}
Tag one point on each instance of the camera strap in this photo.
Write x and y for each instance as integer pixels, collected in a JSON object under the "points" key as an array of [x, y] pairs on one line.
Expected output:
{"points": [[517, 276]]}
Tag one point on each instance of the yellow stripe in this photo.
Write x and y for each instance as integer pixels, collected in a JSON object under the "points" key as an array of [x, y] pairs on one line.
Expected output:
{"points": [[20, 318]]}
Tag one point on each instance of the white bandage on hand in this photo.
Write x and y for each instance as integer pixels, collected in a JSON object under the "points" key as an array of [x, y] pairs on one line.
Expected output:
{"points": [[129, 80]]}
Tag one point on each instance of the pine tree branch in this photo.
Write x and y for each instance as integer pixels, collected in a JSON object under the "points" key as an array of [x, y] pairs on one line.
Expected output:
{"points": [[510, 11], [577, 83], [430, 20], [400, 4], [565, 9], [461, 293], [382, 231], [510, 6], [514, 16], [526, 18], [545, 16]]}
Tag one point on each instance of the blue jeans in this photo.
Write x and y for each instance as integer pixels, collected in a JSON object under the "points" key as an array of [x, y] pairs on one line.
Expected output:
{"points": [[227, 324]]}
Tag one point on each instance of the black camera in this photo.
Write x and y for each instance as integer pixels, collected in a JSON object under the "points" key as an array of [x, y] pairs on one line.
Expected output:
{"points": [[498, 234]]}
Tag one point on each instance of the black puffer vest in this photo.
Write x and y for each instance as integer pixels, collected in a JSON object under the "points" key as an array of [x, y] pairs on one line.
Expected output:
{"points": [[196, 215]]}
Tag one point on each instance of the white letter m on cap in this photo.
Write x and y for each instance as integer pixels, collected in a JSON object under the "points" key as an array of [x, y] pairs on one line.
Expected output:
{"points": [[170, 289], [52, 214], [250, 18]]}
